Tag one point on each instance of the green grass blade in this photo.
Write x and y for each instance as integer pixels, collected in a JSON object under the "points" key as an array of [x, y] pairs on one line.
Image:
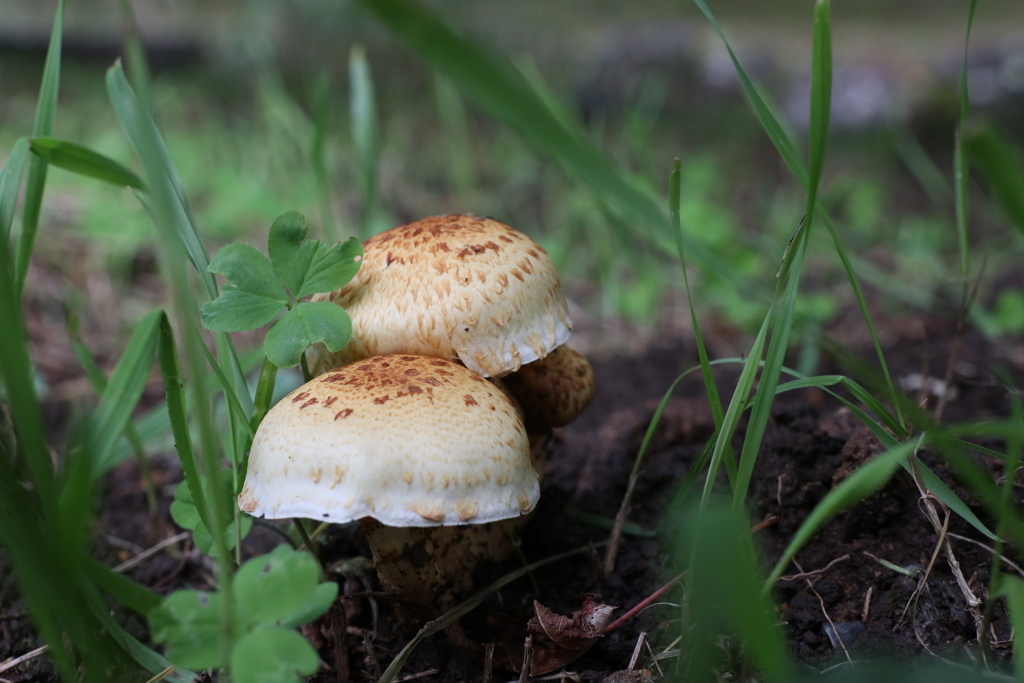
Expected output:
{"points": [[134, 595], [365, 133], [781, 317], [783, 313], [864, 481], [84, 161], [10, 183], [769, 122], [238, 412], [821, 100], [177, 411], [46, 115], [323, 108], [787, 151], [737, 404], [145, 139], [503, 92], [1012, 588], [1000, 163], [960, 163], [710, 388], [724, 590], [122, 392]]}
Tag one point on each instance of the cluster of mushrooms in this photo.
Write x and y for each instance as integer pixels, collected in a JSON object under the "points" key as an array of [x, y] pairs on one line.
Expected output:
{"points": [[430, 426]]}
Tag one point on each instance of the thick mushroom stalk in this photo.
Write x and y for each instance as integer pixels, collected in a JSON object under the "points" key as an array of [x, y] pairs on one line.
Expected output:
{"points": [[457, 287], [422, 445]]}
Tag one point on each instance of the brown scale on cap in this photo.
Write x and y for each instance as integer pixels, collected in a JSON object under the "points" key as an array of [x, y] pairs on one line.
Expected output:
{"points": [[456, 287]]}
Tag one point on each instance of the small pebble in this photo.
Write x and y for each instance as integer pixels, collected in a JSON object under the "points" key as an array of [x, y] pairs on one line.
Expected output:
{"points": [[847, 631]]}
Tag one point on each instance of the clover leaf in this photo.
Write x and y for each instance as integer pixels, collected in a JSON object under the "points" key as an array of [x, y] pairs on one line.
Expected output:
{"points": [[186, 515], [273, 594], [259, 288]]}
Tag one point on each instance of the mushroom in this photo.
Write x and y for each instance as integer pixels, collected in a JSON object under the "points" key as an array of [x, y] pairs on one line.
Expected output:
{"points": [[422, 445], [457, 287], [554, 390]]}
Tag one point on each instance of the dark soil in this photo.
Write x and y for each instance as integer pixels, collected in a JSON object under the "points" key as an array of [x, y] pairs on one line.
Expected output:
{"points": [[838, 582]]}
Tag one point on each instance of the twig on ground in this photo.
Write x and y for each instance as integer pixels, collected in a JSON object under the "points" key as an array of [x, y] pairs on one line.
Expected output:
{"points": [[524, 675], [644, 603], [641, 639], [821, 601], [146, 554], [1003, 558], [815, 572], [9, 664], [654, 660], [867, 604]]}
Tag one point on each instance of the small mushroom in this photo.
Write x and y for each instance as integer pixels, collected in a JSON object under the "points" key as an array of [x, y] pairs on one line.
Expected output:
{"points": [[554, 390], [457, 287], [422, 445]]}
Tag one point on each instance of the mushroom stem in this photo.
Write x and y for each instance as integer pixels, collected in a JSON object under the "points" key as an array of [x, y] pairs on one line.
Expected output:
{"points": [[432, 567]]}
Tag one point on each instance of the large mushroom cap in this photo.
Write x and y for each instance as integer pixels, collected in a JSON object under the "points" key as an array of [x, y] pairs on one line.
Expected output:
{"points": [[408, 440], [455, 287]]}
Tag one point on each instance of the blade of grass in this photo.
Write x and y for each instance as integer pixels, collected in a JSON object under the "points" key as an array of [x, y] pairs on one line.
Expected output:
{"points": [[737, 405], [178, 239], [821, 98], [140, 128], [83, 161], [505, 94], [98, 381], [322, 110], [122, 393], [995, 156], [781, 140], [46, 115], [960, 164], [10, 183], [723, 585], [365, 133]]}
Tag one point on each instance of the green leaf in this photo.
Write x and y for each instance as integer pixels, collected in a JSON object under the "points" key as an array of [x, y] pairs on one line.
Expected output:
{"points": [[323, 596], [306, 324], [186, 515], [236, 311], [189, 622], [84, 161], [332, 267], [270, 654], [289, 254], [249, 271], [274, 586]]}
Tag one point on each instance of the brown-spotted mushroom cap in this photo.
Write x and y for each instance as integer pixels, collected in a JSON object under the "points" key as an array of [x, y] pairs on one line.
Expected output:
{"points": [[456, 287], [408, 440], [553, 391]]}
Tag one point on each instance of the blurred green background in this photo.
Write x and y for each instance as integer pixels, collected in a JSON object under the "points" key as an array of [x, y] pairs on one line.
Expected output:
{"points": [[255, 101]]}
